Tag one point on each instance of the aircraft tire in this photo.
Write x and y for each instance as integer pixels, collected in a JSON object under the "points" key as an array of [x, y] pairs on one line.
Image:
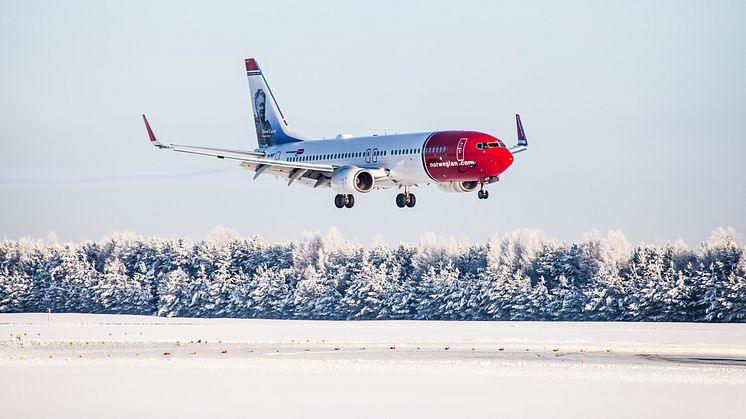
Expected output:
{"points": [[401, 200], [411, 200], [339, 201], [480, 194], [350, 201]]}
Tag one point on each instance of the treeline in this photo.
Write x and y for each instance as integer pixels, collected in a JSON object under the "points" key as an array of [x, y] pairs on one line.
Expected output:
{"points": [[520, 276]]}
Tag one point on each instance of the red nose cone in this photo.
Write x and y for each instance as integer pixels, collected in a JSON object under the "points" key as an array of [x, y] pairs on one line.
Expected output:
{"points": [[503, 159]]}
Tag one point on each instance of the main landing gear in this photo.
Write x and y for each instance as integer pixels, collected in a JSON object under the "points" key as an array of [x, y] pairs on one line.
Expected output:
{"points": [[406, 199], [341, 201], [482, 194]]}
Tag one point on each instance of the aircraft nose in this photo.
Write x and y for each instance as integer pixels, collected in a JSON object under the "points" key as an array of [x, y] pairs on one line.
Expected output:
{"points": [[502, 159]]}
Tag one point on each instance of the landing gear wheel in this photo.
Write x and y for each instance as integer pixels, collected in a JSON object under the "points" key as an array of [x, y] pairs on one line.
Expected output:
{"points": [[411, 200], [486, 194], [350, 201], [339, 201], [401, 200], [480, 194]]}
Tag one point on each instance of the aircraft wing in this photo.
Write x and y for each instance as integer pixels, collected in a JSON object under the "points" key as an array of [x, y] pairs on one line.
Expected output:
{"points": [[257, 162]]}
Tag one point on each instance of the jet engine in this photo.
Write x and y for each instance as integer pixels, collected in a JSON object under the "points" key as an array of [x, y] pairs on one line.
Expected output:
{"points": [[352, 180], [459, 187]]}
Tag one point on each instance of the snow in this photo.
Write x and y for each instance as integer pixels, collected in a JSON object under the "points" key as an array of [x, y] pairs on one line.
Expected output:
{"points": [[84, 365]]}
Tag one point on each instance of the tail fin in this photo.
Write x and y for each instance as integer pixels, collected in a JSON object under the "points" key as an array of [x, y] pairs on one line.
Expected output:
{"points": [[522, 142], [271, 128]]}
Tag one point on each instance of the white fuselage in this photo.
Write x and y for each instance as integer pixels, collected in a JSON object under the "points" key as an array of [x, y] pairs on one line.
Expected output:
{"points": [[399, 154]]}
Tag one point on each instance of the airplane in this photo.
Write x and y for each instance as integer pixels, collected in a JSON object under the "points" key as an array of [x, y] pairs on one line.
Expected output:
{"points": [[455, 161]]}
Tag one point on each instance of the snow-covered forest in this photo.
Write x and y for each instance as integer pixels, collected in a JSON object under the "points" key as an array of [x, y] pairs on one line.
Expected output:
{"points": [[520, 276]]}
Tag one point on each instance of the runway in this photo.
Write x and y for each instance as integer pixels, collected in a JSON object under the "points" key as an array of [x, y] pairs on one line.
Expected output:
{"points": [[126, 365]]}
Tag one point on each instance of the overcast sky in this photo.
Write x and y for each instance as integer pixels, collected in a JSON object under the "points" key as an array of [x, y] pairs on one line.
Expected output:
{"points": [[635, 114]]}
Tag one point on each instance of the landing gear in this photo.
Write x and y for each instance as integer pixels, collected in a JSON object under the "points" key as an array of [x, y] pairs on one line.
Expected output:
{"points": [[401, 200], [411, 200], [342, 201], [406, 199], [482, 194]]}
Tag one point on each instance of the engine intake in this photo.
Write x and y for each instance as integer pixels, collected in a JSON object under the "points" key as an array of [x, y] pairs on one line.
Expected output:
{"points": [[352, 180]]}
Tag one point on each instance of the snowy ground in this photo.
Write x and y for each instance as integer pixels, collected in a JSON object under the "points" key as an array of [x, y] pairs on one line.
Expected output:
{"points": [[68, 365]]}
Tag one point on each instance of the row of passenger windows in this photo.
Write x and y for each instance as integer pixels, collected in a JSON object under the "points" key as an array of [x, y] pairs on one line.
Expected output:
{"points": [[361, 154]]}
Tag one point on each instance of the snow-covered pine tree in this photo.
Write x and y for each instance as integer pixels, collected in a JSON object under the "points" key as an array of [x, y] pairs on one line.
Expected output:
{"points": [[173, 294], [364, 296], [16, 276]]}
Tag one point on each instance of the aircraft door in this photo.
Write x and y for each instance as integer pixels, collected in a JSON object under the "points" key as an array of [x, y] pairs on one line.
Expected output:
{"points": [[460, 149]]}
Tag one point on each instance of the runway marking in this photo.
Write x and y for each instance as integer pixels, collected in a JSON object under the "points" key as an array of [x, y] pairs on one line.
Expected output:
{"points": [[738, 362]]}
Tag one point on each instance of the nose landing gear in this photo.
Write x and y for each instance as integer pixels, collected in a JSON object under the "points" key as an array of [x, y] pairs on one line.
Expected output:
{"points": [[482, 194], [406, 199], [342, 201]]}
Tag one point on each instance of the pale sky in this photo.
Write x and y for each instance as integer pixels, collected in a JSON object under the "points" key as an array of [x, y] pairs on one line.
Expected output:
{"points": [[635, 114]]}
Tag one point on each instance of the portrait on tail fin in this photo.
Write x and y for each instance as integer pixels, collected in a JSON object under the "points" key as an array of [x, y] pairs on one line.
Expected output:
{"points": [[263, 127]]}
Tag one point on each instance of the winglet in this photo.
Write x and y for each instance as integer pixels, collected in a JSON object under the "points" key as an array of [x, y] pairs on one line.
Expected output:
{"points": [[522, 142], [151, 135], [521, 134]]}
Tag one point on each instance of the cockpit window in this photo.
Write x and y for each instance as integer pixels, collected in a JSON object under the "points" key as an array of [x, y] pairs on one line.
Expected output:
{"points": [[484, 146]]}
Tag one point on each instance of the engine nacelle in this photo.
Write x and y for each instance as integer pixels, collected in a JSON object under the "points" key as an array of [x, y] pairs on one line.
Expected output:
{"points": [[352, 180], [459, 187]]}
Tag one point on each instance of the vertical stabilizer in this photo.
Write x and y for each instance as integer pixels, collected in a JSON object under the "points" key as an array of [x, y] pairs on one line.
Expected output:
{"points": [[271, 128]]}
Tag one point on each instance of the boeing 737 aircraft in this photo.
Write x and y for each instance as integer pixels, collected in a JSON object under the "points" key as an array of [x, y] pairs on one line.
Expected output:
{"points": [[455, 161]]}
